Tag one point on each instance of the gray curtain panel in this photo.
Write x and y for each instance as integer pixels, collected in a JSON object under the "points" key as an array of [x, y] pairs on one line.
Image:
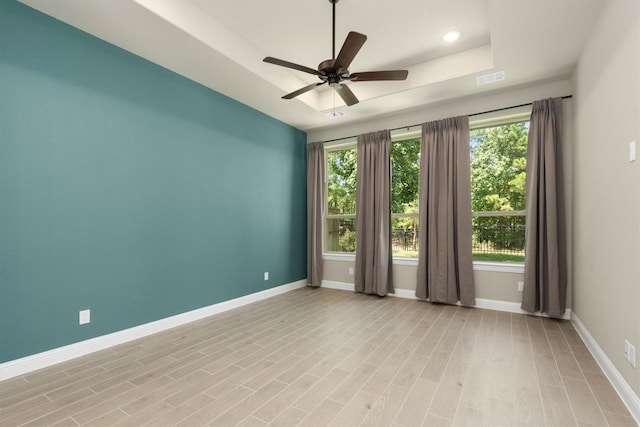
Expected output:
{"points": [[445, 260], [545, 265], [373, 273], [315, 206]]}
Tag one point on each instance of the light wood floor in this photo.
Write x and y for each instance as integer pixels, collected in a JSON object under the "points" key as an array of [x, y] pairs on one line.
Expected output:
{"points": [[326, 357]]}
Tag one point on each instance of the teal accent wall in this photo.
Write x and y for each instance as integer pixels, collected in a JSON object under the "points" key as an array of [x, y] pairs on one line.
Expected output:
{"points": [[129, 190]]}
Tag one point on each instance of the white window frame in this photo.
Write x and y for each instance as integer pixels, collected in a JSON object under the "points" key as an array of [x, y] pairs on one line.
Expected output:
{"points": [[518, 115], [398, 136], [340, 146]]}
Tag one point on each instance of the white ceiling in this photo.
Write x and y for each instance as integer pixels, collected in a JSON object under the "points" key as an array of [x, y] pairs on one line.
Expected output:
{"points": [[221, 44]]}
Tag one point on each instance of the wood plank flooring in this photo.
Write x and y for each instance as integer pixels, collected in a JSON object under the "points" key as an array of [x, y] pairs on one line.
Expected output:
{"points": [[318, 357]]}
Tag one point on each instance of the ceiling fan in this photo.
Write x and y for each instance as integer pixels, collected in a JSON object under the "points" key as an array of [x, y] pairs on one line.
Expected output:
{"points": [[336, 70]]}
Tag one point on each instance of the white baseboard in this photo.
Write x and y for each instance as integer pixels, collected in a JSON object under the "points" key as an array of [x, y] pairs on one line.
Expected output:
{"points": [[341, 286], [404, 293], [489, 304], [624, 390], [512, 307], [34, 362]]}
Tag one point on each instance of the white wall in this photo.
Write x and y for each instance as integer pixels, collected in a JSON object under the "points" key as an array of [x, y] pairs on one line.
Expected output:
{"points": [[606, 263], [469, 105]]}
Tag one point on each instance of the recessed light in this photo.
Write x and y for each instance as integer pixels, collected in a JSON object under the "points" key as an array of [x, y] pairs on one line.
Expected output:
{"points": [[451, 36]]}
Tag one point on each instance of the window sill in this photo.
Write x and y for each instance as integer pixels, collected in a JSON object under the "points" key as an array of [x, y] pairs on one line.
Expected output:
{"points": [[338, 257], [499, 267], [352, 258]]}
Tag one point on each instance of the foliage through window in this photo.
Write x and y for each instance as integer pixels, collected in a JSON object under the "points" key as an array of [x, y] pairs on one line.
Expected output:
{"points": [[340, 233], [405, 179], [340, 224], [498, 171]]}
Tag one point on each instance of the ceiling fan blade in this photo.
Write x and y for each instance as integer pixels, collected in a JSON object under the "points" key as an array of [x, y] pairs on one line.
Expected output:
{"points": [[301, 91], [345, 93], [350, 48], [379, 75], [291, 65]]}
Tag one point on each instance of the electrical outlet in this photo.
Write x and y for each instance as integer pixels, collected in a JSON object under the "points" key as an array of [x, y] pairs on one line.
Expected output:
{"points": [[521, 286], [350, 271], [266, 275], [84, 317]]}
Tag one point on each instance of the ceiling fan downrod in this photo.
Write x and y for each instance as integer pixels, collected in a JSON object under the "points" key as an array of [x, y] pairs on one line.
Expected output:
{"points": [[333, 29]]}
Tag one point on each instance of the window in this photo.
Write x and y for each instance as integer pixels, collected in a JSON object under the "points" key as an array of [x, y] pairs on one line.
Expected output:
{"points": [[340, 217], [405, 179], [498, 171]]}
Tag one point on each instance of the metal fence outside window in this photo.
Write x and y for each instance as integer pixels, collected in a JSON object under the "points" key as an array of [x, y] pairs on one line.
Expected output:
{"points": [[404, 240], [500, 233], [493, 237]]}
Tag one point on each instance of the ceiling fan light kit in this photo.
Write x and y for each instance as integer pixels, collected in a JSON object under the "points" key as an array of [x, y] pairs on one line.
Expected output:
{"points": [[334, 113], [334, 71]]}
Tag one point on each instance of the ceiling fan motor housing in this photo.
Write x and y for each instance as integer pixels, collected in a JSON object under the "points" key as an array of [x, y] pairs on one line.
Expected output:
{"points": [[331, 74]]}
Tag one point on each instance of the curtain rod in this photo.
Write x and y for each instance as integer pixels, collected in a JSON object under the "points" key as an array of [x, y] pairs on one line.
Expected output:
{"points": [[468, 115]]}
